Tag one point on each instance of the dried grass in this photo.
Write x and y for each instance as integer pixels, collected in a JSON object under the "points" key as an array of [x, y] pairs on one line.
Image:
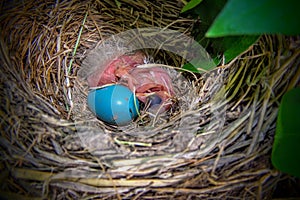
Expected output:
{"points": [[42, 152]]}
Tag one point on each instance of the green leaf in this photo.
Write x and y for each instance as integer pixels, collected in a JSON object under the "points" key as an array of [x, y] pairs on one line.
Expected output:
{"points": [[286, 147], [229, 47], [257, 17], [190, 5], [207, 11], [232, 46], [199, 66], [190, 67]]}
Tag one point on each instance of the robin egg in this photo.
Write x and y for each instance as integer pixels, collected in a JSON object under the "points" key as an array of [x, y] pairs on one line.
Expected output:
{"points": [[113, 104]]}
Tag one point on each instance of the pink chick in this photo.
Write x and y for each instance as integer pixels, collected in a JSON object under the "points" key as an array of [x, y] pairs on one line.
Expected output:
{"points": [[151, 85], [115, 69]]}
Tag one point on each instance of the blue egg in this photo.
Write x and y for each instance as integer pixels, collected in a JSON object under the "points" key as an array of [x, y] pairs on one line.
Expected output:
{"points": [[113, 104]]}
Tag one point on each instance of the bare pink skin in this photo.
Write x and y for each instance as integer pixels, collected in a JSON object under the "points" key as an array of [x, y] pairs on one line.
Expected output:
{"points": [[148, 81], [115, 69], [143, 82]]}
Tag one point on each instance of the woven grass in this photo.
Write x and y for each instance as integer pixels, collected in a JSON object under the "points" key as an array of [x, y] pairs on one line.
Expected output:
{"points": [[43, 154]]}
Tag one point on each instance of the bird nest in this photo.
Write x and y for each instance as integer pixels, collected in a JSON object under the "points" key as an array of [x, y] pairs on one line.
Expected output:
{"points": [[214, 143]]}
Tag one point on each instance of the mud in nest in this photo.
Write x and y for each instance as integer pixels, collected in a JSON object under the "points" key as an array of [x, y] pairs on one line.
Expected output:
{"points": [[215, 145]]}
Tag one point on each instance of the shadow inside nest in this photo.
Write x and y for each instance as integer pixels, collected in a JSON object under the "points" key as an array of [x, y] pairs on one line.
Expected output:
{"points": [[199, 106]]}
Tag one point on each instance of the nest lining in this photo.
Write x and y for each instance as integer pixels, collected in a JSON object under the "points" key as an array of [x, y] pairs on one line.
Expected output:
{"points": [[43, 155]]}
